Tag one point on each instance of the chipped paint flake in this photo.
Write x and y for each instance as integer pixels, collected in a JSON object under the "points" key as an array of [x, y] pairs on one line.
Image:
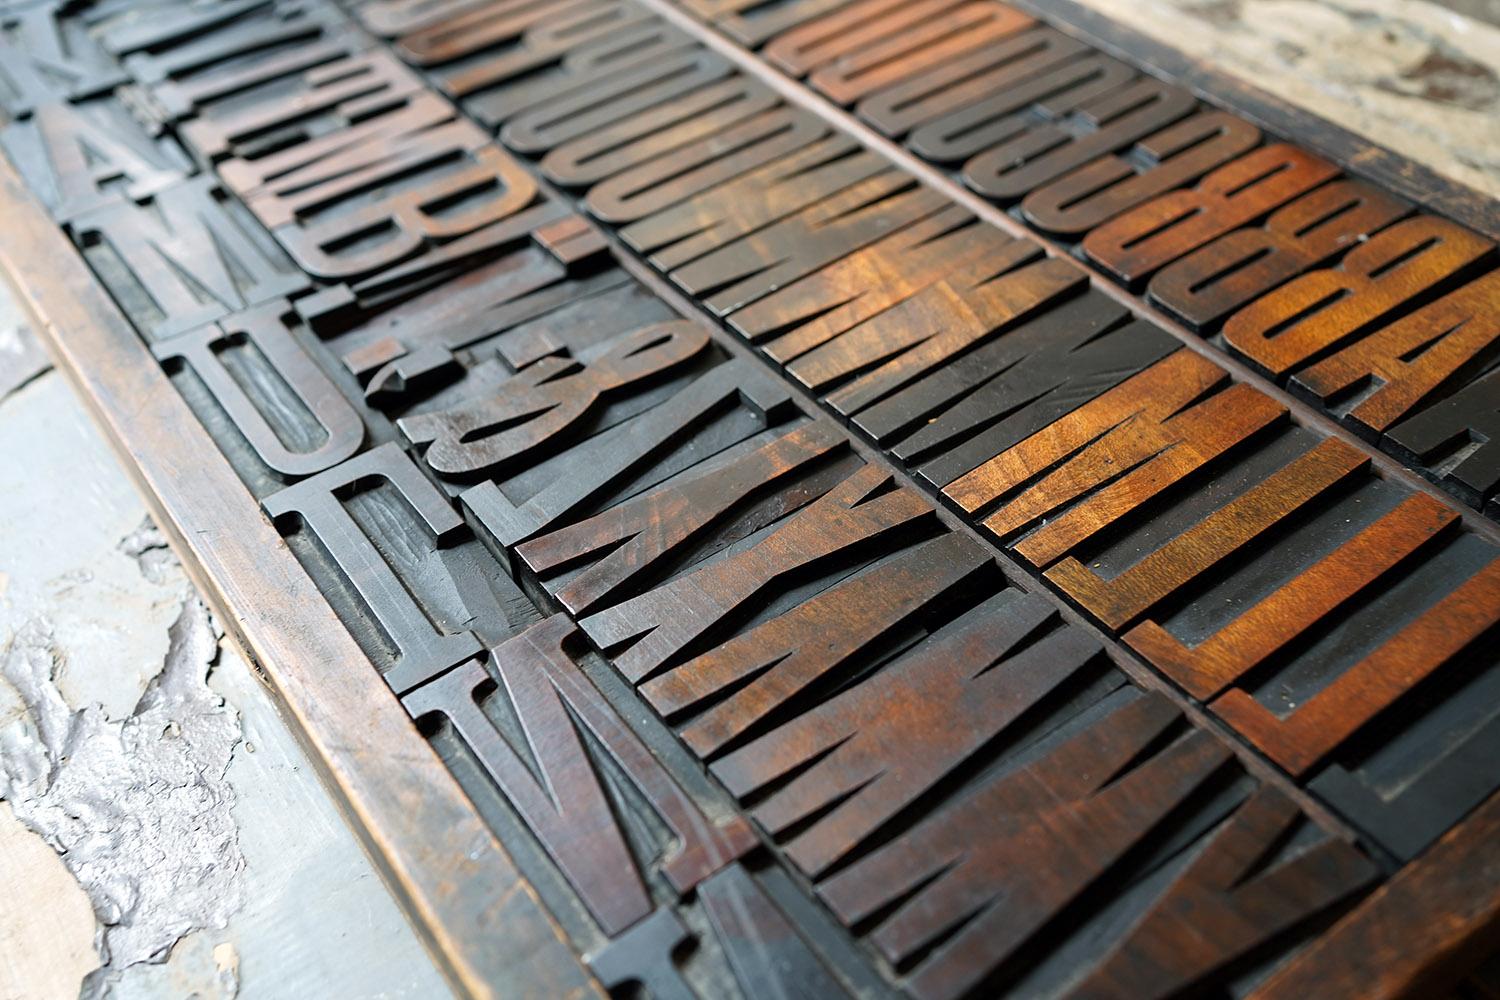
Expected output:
{"points": [[138, 808]]}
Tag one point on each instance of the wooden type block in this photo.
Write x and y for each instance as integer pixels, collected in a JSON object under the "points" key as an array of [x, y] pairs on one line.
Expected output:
{"points": [[424, 648], [47, 56], [952, 111], [1404, 367], [1241, 522], [407, 351], [1297, 741], [753, 22], [916, 338], [1410, 774], [79, 158], [394, 18], [307, 431], [549, 71], [171, 50], [1112, 455], [670, 138], [629, 539], [1297, 606], [745, 239], [827, 304], [728, 404], [649, 90], [1106, 187], [722, 156], [456, 30], [848, 30], [563, 800], [569, 249], [1381, 951], [1135, 245], [873, 750], [759, 674], [1228, 904], [268, 176], [190, 256], [381, 203], [1322, 310], [934, 40], [1457, 441], [1210, 283], [979, 877], [303, 98], [1099, 127], [647, 633], [766, 955], [547, 398], [983, 403]]}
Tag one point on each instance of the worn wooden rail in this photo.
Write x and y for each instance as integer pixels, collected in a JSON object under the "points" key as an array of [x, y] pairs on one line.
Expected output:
{"points": [[807, 498]]}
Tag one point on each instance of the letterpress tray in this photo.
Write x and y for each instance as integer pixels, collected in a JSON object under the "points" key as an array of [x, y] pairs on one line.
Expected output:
{"points": [[809, 498]]}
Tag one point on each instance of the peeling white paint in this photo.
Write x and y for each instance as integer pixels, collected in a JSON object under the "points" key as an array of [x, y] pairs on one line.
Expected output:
{"points": [[138, 808]]}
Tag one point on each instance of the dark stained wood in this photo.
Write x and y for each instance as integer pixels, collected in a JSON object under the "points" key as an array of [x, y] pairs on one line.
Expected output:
{"points": [[1113, 121], [981, 404], [1300, 604], [649, 527], [266, 331], [570, 249], [183, 57], [714, 248], [751, 22], [664, 134], [610, 459], [829, 302], [1227, 905], [1179, 154], [375, 190], [316, 85], [992, 95], [1135, 245], [1304, 737], [848, 29], [544, 399], [1379, 952], [979, 877], [191, 255], [714, 153], [650, 90], [864, 756], [564, 802], [1124, 598], [423, 651], [1412, 362], [1113, 454], [912, 340], [761, 671], [392, 18], [930, 742], [1462, 431], [1322, 310], [768, 957], [443, 864], [642, 957], [1213, 281], [645, 633], [933, 40]]}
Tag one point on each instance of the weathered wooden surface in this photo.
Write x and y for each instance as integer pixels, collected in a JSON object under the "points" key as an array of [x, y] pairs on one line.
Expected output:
{"points": [[749, 513]]}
